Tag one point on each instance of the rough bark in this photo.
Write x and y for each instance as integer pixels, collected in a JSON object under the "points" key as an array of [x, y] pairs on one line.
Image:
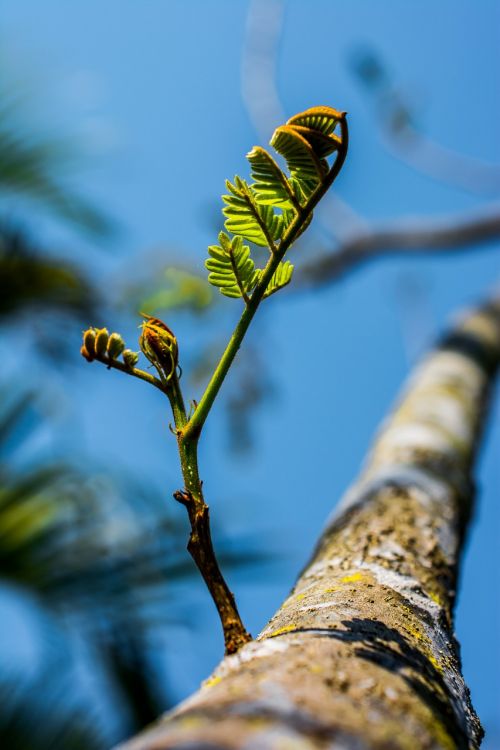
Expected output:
{"points": [[362, 653]]}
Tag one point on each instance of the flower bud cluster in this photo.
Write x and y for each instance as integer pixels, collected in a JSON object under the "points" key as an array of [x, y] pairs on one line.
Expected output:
{"points": [[99, 344]]}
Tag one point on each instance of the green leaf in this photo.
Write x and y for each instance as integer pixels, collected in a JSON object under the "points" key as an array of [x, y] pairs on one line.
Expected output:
{"points": [[322, 145], [254, 222], [305, 166], [276, 207], [280, 278], [271, 187], [231, 268]]}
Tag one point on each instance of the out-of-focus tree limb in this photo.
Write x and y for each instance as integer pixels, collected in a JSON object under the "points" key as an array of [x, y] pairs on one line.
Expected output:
{"points": [[261, 93], [258, 65], [404, 138], [409, 236]]}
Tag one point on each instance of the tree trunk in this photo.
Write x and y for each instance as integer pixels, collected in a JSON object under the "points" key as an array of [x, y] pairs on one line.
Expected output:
{"points": [[362, 653]]}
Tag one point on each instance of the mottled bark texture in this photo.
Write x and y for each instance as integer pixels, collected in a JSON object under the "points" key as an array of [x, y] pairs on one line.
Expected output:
{"points": [[362, 653]]}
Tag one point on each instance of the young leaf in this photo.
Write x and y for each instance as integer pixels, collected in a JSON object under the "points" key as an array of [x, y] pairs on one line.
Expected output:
{"points": [[305, 166], [322, 119], [271, 187], [322, 145], [280, 278], [275, 207], [231, 268], [254, 222]]}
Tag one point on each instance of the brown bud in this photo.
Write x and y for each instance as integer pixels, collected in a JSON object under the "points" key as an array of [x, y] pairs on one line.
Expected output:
{"points": [[159, 345]]}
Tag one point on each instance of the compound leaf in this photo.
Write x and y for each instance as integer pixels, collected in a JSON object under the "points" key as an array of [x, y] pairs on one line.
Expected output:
{"points": [[246, 217], [280, 278], [231, 268]]}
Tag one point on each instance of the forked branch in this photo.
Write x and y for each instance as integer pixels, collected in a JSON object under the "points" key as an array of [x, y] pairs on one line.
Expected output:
{"points": [[272, 211]]}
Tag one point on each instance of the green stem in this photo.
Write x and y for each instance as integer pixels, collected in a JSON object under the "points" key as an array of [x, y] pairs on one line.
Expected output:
{"points": [[194, 426], [174, 393]]}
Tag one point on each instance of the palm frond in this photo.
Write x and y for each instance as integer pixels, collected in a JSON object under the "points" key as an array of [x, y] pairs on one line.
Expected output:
{"points": [[30, 281]]}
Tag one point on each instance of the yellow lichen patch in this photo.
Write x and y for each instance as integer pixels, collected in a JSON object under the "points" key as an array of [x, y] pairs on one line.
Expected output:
{"points": [[425, 645], [299, 597], [435, 598], [284, 629], [191, 722], [212, 681], [352, 578], [435, 662], [413, 630], [331, 590]]}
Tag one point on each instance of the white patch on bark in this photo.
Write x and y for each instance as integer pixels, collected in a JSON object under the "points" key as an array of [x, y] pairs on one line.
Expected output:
{"points": [[424, 486], [408, 587], [254, 650], [404, 439]]}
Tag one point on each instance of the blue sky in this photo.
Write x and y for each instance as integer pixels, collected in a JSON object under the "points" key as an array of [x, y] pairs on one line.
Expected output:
{"points": [[150, 92]]}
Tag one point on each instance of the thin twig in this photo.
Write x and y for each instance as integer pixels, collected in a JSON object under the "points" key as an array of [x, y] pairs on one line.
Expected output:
{"points": [[403, 137], [115, 364]]}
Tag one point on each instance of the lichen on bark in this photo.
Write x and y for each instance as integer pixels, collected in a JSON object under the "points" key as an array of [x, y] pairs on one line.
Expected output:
{"points": [[362, 653]]}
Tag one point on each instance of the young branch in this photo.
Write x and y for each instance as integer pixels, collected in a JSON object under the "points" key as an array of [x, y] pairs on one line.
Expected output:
{"points": [[410, 236], [308, 140], [195, 424]]}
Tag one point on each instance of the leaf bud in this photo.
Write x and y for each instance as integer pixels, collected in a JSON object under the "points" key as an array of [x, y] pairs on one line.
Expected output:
{"points": [[101, 341], [89, 342], [159, 345], [86, 354], [116, 345], [130, 358]]}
